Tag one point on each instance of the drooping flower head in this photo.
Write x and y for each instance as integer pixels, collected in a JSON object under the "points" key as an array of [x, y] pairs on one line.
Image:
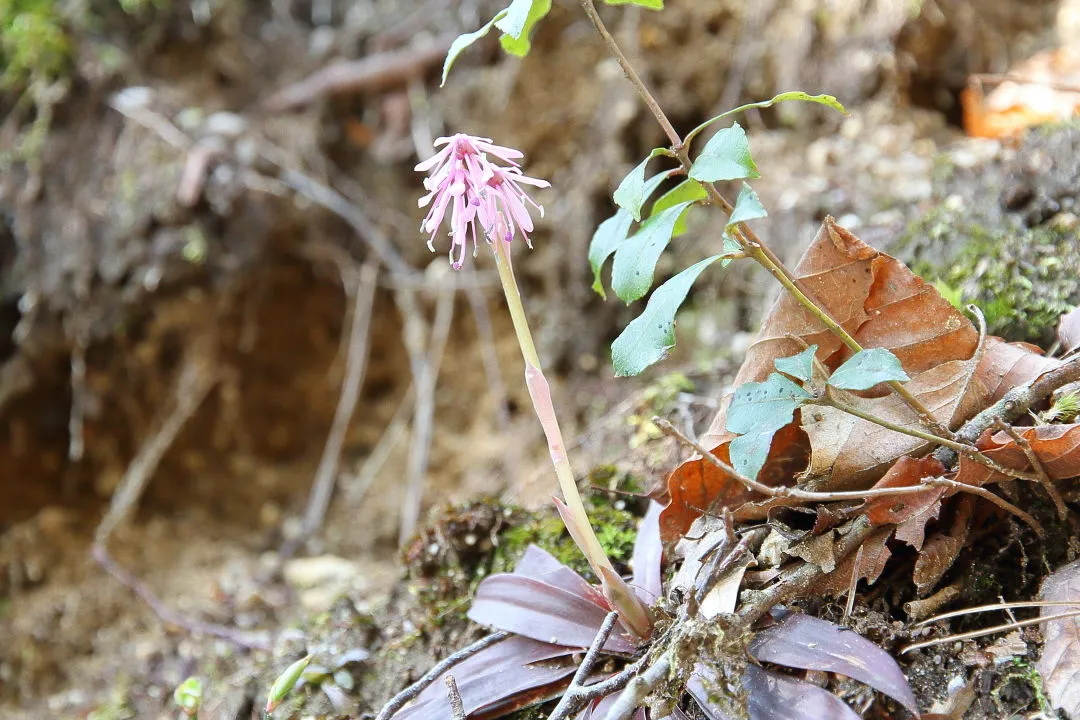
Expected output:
{"points": [[476, 190]]}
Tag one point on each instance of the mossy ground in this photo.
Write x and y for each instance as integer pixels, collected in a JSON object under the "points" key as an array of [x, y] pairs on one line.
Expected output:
{"points": [[1004, 235]]}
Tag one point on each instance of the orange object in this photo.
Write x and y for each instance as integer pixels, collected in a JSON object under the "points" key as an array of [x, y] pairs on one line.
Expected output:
{"points": [[1044, 88]]}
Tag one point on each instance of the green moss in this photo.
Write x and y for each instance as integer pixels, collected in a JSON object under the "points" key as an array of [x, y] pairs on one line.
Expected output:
{"points": [[1024, 672], [1023, 281], [34, 43], [616, 529]]}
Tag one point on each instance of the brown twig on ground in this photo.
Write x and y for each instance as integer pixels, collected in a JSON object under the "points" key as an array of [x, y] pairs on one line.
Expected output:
{"points": [[425, 363], [1012, 405], [989, 631], [398, 701], [1019, 605], [800, 578], [376, 72], [573, 698], [197, 377], [917, 609], [1037, 466], [856, 567], [796, 495], [987, 495], [361, 288]]}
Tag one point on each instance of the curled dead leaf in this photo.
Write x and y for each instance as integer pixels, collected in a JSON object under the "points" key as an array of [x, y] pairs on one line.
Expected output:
{"points": [[1059, 665]]}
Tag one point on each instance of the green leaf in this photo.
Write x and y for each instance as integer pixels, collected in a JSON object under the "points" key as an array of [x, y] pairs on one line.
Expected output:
{"points": [[517, 26], [613, 231], [801, 366], [463, 41], [651, 335], [866, 369], [635, 259], [631, 191], [756, 412], [605, 240], [188, 696], [731, 247], [747, 207], [650, 4], [749, 452], [827, 100], [285, 682], [725, 157], [688, 190]]}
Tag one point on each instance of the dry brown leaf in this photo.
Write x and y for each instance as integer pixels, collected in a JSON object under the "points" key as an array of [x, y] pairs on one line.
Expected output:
{"points": [[875, 555], [1059, 665], [1068, 330], [883, 304], [941, 550], [909, 513], [1056, 446], [851, 453]]}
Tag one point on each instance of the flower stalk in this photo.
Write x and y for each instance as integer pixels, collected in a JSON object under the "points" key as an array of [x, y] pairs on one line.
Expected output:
{"points": [[484, 198], [572, 508]]}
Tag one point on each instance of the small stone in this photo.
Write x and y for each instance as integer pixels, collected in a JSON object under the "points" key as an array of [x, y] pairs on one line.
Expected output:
{"points": [[319, 581]]}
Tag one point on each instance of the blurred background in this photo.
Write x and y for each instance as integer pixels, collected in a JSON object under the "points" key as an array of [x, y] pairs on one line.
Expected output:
{"points": [[210, 222]]}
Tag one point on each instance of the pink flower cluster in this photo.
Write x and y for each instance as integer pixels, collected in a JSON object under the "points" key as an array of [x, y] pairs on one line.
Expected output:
{"points": [[462, 178]]}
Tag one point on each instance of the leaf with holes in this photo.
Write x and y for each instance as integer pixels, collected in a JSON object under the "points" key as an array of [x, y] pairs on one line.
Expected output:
{"points": [[635, 259], [607, 238], [725, 157], [650, 336], [757, 411], [867, 368], [909, 512], [613, 232]]}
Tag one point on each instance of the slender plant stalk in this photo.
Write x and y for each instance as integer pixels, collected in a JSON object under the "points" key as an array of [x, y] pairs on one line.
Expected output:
{"points": [[751, 244], [974, 453], [615, 588]]}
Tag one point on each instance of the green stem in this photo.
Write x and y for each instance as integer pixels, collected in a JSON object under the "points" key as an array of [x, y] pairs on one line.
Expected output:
{"points": [[618, 593], [972, 452]]}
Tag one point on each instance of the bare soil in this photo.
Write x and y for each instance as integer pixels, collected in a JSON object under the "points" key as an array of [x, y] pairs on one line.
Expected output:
{"points": [[114, 268]]}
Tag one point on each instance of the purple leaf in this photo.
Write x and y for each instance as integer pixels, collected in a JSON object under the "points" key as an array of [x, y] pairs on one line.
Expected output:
{"points": [[494, 678], [648, 554], [541, 565], [772, 696], [809, 643], [698, 690], [543, 612]]}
